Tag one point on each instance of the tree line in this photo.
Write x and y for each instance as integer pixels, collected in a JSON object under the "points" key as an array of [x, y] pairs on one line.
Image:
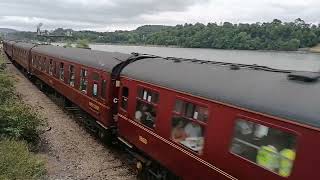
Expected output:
{"points": [[275, 35]]}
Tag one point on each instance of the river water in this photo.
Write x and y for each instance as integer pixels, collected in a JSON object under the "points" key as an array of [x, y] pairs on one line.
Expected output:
{"points": [[282, 60]]}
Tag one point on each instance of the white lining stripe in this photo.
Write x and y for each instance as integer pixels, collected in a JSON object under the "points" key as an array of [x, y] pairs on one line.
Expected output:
{"points": [[180, 149]]}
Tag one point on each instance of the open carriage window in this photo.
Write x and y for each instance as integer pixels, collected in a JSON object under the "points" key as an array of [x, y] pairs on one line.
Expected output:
{"points": [[188, 124], [146, 107], [83, 81], [124, 98], [61, 72], [95, 86], [50, 67], [103, 88], [72, 77], [267, 147]]}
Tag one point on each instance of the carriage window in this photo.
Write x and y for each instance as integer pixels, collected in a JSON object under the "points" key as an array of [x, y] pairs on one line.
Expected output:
{"points": [[50, 67], [95, 87], [45, 65], [146, 107], [148, 95], [124, 98], [103, 88], [188, 125], [54, 69], [267, 147], [83, 80], [191, 110], [72, 76], [61, 73]]}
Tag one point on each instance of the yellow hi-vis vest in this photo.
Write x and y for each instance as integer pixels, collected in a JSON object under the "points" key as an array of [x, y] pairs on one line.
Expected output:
{"points": [[268, 158], [286, 162]]}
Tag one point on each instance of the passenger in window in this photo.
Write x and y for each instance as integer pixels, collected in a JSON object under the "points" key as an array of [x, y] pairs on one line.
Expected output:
{"points": [[192, 129], [178, 134], [140, 111], [148, 117]]}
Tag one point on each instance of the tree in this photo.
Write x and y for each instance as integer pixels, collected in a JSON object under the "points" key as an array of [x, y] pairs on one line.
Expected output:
{"points": [[68, 44], [83, 43]]}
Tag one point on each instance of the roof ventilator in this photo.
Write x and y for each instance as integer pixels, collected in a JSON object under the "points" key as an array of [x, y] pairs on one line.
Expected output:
{"points": [[304, 76], [234, 67]]}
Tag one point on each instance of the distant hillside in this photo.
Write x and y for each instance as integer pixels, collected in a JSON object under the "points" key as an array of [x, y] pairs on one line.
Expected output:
{"points": [[274, 35], [150, 28], [7, 30]]}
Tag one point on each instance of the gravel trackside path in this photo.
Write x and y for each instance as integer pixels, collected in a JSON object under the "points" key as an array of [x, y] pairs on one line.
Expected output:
{"points": [[70, 151]]}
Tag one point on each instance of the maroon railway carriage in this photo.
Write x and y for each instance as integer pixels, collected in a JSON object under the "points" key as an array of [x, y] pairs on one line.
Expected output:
{"points": [[205, 121], [22, 54], [200, 120], [7, 47], [82, 76]]}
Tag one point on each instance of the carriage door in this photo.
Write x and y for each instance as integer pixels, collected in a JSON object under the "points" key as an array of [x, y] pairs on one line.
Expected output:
{"points": [[124, 100]]}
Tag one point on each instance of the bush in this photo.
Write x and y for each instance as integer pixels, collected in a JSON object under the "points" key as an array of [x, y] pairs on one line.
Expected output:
{"points": [[83, 43], [6, 88], [18, 121], [16, 162]]}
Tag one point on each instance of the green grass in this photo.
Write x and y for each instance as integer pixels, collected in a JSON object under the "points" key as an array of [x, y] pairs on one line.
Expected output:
{"points": [[20, 124], [17, 162]]}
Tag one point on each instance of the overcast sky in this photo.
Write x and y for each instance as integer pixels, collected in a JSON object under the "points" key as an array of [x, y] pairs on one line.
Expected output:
{"points": [[110, 15]]}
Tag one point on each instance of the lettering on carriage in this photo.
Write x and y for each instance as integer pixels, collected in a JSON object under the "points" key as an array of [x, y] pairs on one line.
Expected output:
{"points": [[115, 100], [143, 140], [94, 106]]}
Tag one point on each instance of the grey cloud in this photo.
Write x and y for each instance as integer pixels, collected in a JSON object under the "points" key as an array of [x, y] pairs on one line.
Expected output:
{"points": [[105, 15]]}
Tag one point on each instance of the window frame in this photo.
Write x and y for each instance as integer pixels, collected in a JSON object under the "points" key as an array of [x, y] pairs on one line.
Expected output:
{"points": [[61, 71], [121, 100], [70, 75], [86, 79], [269, 125], [104, 86], [50, 66], [97, 82], [154, 105], [196, 103], [202, 124]]}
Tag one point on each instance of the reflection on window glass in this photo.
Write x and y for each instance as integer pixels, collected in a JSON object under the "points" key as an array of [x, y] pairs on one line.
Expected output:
{"points": [[83, 81], [268, 147], [95, 89], [148, 95], [191, 110], [125, 96], [103, 88]]}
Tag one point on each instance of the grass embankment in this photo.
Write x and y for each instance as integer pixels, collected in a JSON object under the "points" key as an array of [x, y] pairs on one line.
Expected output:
{"points": [[315, 49], [19, 134]]}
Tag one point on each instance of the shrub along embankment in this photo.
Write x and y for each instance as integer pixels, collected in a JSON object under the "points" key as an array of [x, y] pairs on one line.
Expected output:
{"points": [[19, 133]]}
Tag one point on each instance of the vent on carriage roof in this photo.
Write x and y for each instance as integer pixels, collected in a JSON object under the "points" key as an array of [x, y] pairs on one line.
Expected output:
{"points": [[304, 76]]}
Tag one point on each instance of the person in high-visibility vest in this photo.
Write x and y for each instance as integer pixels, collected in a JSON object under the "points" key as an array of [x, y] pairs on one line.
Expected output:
{"points": [[286, 161], [268, 158]]}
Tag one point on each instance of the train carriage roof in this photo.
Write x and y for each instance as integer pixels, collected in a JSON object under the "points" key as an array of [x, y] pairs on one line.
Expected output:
{"points": [[262, 91], [92, 58], [26, 46]]}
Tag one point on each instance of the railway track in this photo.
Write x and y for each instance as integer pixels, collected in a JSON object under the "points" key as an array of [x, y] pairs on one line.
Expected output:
{"points": [[70, 151]]}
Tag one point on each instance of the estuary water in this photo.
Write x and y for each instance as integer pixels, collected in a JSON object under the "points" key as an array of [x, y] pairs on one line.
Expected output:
{"points": [[301, 61]]}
